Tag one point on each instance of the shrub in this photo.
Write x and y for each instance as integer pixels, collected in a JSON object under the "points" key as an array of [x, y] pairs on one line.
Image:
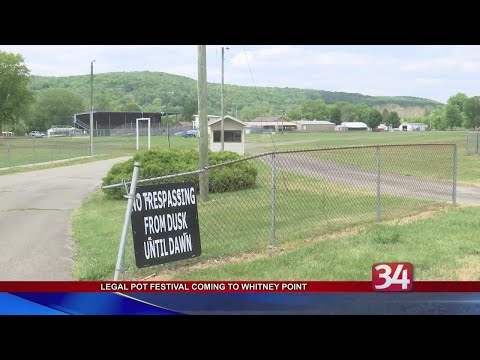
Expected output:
{"points": [[160, 162]]}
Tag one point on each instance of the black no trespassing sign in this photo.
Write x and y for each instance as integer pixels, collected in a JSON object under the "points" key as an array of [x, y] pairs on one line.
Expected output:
{"points": [[165, 224]]}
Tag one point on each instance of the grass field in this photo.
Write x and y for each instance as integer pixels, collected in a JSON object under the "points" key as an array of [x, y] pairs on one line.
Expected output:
{"points": [[28, 150], [444, 247], [240, 222]]}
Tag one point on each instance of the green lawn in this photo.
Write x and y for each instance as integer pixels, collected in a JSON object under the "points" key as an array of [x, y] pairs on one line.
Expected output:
{"points": [[28, 150], [444, 247], [239, 222]]}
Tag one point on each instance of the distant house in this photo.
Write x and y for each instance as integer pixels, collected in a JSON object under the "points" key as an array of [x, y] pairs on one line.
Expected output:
{"points": [[270, 126], [233, 134], [355, 126], [413, 127], [314, 126]]}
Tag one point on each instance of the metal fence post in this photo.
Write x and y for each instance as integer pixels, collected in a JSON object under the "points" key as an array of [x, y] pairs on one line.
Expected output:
{"points": [[273, 244], [478, 135], [454, 190], [8, 156], [377, 156], [128, 212], [468, 143], [33, 154]]}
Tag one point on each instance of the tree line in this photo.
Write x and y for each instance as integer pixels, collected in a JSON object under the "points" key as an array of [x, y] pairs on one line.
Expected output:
{"points": [[36, 103], [460, 111]]}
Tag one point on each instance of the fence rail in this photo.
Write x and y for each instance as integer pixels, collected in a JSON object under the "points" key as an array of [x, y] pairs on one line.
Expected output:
{"points": [[303, 194]]}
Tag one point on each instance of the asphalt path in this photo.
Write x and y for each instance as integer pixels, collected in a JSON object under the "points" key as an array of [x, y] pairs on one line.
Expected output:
{"points": [[35, 212]]}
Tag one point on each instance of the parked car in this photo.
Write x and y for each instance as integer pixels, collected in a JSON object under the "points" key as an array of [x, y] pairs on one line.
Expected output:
{"points": [[187, 133], [37, 134]]}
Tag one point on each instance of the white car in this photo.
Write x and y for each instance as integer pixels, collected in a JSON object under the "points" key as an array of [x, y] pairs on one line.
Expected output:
{"points": [[37, 134]]}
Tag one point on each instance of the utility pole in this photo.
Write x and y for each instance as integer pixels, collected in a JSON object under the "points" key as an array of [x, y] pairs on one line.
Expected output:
{"points": [[221, 100], [202, 119], [91, 107], [166, 119]]}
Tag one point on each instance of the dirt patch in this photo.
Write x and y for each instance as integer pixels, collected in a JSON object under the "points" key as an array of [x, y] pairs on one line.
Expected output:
{"points": [[420, 216], [470, 270]]}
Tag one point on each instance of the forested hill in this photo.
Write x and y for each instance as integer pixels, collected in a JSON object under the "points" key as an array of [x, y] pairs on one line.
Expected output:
{"points": [[152, 91]]}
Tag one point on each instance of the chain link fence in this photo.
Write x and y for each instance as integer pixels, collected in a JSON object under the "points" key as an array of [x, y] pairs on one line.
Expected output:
{"points": [[473, 143], [302, 195]]}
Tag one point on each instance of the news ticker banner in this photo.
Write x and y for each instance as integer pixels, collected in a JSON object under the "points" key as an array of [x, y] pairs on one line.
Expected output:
{"points": [[185, 298], [226, 286], [391, 291]]}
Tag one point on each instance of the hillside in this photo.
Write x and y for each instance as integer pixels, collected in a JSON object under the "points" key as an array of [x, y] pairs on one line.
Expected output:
{"points": [[150, 90]]}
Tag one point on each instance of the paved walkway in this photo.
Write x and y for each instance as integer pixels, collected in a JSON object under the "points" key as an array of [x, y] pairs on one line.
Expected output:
{"points": [[35, 211]]}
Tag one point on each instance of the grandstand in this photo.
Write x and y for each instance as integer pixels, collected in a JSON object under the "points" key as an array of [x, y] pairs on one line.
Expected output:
{"points": [[120, 123]]}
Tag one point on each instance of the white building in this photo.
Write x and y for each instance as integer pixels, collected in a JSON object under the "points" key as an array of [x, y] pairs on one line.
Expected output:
{"points": [[355, 126], [233, 134], [413, 127], [314, 125]]}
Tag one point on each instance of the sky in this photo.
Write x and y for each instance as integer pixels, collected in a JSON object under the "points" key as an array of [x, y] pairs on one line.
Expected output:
{"points": [[432, 72]]}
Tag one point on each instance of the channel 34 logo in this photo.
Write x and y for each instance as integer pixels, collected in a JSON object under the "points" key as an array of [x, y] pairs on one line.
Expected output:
{"points": [[401, 280]]}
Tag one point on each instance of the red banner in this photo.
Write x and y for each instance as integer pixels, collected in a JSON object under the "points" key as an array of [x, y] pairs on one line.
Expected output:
{"points": [[227, 286]]}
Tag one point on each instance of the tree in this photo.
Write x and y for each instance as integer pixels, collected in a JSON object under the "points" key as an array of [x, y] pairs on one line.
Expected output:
{"points": [[251, 112], [393, 120], [363, 112], [336, 114], [374, 119], [102, 102], [453, 115], [471, 109], [55, 107], [349, 112], [129, 107], [190, 108], [15, 95], [314, 110], [385, 115], [438, 118], [155, 106], [294, 112], [458, 100]]}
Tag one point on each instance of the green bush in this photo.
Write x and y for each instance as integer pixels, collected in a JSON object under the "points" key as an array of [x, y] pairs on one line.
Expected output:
{"points": [[160, 162]]}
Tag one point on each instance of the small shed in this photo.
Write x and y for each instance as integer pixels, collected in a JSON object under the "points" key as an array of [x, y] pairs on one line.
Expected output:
{"points": [[233, 134], [314, 126]]}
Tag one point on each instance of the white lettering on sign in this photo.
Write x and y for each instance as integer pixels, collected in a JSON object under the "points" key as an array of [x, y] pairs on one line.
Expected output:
{"points": [[180, 244], [137, 204], [158, 247], [154, 200]]}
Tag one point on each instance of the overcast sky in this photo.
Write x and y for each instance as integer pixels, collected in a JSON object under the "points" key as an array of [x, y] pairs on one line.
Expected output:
{"points": [[433, 72]]}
